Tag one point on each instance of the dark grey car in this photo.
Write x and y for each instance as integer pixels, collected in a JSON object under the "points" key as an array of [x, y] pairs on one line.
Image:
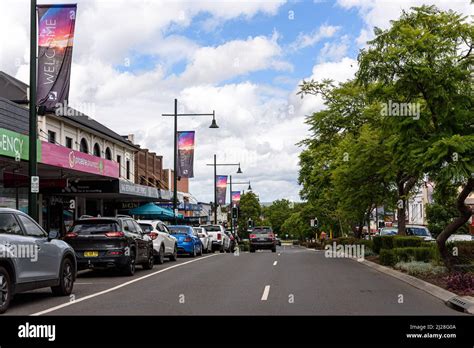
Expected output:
{"points": [[32, 259]]}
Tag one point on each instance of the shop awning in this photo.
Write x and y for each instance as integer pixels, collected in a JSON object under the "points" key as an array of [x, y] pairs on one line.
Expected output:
{"points": [[151, 210]]}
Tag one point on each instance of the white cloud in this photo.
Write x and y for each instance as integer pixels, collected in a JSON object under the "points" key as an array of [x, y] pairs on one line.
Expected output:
{"points": [[378, 13], [335, 50], [306, 40]]}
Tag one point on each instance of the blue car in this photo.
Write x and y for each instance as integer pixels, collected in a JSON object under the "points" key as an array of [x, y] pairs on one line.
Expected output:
{"points": [[188, 240]]}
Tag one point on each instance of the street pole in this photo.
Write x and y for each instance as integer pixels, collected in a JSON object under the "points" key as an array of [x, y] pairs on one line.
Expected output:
{"points": [[175, 174], [215, 189], [231, 207], [32, 162]]}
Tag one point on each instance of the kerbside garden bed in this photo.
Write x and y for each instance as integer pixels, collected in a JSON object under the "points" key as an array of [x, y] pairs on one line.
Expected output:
{"points": [[420, 259]]}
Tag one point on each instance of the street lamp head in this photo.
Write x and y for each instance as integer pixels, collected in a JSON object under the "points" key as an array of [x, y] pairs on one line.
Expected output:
{"points": [[239, 171], [213, 124]]}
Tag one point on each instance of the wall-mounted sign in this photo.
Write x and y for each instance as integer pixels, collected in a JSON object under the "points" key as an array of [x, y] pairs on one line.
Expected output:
{"points": [[15, 145], [61, 156]]}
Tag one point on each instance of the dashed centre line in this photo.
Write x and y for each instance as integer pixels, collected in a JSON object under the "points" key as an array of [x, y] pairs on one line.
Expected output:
{"points": [[266, 291]]}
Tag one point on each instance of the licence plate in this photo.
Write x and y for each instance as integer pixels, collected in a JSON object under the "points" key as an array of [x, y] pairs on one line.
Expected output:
{"points": [[91, 253], [262, 239]]}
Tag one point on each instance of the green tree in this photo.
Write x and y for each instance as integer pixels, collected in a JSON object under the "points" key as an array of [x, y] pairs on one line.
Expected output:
{"points": [[277, 213], [425, 58], [249, 209]]}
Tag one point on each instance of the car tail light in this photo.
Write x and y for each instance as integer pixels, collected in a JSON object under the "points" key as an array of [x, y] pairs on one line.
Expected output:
{"points": [[71, 235], [271, 235], [219, 236], [187, 239], [115, 234], [231, 237], [153, 235], [253, 236], [115, 253]]}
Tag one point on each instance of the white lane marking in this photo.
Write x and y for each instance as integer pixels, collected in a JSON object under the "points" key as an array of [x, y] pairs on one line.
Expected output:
{"points": [[275, 263], [266, 291], [84, 283], [52, 309], [279, 254]]}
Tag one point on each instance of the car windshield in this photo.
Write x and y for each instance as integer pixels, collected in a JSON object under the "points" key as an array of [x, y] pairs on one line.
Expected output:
{"points": [[418, 231], [95, 226], [146, 227], [388, 232], [178, 230]]}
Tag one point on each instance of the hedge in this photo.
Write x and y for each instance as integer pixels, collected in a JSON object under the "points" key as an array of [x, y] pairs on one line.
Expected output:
{"points": [[390, 257], [382, 242], [390, 242]]}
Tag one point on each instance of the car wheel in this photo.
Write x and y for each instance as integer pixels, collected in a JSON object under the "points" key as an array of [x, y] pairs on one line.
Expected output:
{"points": [[160, 258], [200, 250], [150, 262], [222, 248], [129, 268], [252, 250], [193, 254], [174, 256], [274, 249], [66, 279], [5, 290]]}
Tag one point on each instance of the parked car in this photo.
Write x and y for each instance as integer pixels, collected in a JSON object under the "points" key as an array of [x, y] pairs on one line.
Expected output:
{"points": [[31, 258], [107, 242], [460, 238], [220, 241], [262, 237], [419, 231], [388, 231], [164, 244], [205, 238], [233, 240], [188, 239]]}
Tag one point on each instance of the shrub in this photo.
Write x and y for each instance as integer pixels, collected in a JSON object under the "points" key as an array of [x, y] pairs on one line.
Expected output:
{"points": [[387, 257], [465, 251], [420, 268], [404, 242], [413, 253], [460, 281], [382, 242]]}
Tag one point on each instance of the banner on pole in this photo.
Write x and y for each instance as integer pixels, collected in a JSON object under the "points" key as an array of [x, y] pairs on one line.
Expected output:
{"points": [[236, 197], [55, 41], [185, 154], [221, 189]]}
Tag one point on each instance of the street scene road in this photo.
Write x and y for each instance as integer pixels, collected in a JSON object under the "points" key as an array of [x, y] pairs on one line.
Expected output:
{"points": [[294, 281]]}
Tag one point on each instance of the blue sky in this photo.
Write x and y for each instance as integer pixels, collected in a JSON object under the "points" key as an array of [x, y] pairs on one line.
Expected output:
{"points": [[244, 59]]}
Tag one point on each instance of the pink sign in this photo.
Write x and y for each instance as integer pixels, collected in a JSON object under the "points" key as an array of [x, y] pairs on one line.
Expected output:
{"points": [[60, 156]]}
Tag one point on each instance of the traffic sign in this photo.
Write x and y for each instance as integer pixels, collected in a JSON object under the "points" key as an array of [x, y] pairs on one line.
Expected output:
{"points": [[35, 184]]}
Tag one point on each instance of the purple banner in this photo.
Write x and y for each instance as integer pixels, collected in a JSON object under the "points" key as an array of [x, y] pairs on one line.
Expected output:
{"points": [[55, 41], [235, 197], [221, 189], [185, 154]]}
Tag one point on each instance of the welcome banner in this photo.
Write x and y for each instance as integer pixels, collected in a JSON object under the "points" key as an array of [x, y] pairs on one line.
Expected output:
{"points": [[235, 197], [185, 154], [221, 188], [55, 41]]}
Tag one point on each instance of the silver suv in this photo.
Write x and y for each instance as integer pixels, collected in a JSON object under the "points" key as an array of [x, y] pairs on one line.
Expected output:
{"points": [[32, 259]]}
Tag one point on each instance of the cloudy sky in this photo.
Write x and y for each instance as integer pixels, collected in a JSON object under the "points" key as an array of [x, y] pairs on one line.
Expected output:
{"points": [[243, 59]]}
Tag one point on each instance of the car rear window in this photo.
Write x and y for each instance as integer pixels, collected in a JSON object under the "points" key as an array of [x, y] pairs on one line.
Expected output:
{"points": [[178, 230], [93, 227], [261, 230], [212, 228]]}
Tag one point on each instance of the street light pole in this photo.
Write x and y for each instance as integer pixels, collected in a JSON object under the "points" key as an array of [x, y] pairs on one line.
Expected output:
{"points": [[215, 164], [231, 206], [215, 189], [32, 148], [175, 151], [175, 156]]}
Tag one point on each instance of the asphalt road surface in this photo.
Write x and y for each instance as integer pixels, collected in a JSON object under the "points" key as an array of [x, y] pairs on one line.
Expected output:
{"points": [[293, 281]]}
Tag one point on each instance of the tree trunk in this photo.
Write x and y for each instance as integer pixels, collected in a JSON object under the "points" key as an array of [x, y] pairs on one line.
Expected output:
{"points": [[465, 213], [404, 186]]}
